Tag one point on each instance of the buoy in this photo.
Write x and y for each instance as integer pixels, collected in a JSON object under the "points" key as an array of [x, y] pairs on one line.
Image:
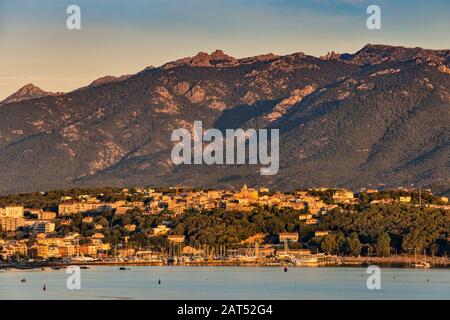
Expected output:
{"points": [[159, 281], [285, 269], [44, 288]]}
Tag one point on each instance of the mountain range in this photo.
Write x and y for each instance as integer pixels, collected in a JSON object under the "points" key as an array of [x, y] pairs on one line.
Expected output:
{"points": [[378, 118]]}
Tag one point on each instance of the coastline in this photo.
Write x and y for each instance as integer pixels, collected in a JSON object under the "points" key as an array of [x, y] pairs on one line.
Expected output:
{"points": [[395, 262]]}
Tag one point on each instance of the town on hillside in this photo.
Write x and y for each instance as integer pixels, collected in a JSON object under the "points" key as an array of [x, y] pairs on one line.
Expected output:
{"points": [[223, 227]]}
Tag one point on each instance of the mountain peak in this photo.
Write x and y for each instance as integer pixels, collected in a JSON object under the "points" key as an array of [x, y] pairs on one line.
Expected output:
{"points": [[360, 113], [331, 56], [216, 58], [108, 79], [202, 59], [29, 91], [380, 53]]}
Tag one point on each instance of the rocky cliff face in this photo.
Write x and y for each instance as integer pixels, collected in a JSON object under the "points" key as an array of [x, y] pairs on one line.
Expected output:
{"points": [[378, 117]]}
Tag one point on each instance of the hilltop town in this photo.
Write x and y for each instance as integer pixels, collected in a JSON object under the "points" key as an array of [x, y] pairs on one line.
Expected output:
{"points": [[247, 226]]}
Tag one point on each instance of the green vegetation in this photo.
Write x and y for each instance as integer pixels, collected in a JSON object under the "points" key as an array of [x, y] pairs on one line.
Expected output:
{"points": [[51, 199], [374, 230], [355, 229], [407, 229]]}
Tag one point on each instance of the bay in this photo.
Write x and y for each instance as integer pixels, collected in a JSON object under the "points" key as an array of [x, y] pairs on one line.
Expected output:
{"points": [[226, 283]]}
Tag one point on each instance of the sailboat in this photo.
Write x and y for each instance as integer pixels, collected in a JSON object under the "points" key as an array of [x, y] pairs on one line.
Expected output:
{"points": [[422, 264]]}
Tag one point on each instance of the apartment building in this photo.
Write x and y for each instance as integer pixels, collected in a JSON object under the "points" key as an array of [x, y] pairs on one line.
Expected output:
{"points": [[12, 212], [44, 227], [72, 208], [11, 224], [46, 215]]}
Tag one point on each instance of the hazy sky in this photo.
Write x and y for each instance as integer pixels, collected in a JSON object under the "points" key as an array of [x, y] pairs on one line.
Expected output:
{"points": [[121, 37]]}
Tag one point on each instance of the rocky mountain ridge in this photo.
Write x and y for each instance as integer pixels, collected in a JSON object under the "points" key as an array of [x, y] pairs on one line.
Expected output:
{"points": [[379, 117]]}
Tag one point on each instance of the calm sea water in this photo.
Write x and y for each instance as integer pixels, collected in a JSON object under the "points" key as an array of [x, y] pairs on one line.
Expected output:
{"points": [[226, 283]]}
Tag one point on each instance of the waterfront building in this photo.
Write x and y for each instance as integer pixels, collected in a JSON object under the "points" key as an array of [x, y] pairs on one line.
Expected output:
{"points": [[125, 252], [288, 237], [88, 250], [68, 250], [12, 249], [41, 250]]}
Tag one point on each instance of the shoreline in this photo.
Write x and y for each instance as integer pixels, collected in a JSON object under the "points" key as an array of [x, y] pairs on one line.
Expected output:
{"points": [[392, 262]]}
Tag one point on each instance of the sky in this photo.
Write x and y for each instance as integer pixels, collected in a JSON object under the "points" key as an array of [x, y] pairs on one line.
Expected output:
{"points": [[122, 37]]}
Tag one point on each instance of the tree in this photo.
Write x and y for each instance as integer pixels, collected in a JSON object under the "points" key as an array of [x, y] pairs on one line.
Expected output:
{"points": [[354, 245], [383, 245], [179, 229], [340, 243], [414, 241], [77, 219], [103, 222], [328, 244]]}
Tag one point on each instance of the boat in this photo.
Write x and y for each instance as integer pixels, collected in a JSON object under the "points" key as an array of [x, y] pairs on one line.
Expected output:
{"points": [[423, 265], [23, 280], [305, 261], [84, 267], [84, 259], [123, 268]]}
